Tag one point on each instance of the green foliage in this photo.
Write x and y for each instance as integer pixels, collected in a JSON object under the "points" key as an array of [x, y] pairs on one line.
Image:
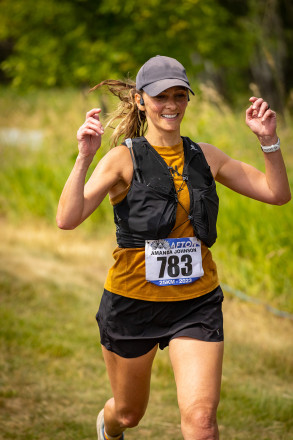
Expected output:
{"points": [[35, 175], [52, 43], [254, 248]]}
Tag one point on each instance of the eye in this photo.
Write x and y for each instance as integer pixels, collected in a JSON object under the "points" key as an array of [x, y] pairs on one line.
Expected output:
{"points": [[181, 95]]}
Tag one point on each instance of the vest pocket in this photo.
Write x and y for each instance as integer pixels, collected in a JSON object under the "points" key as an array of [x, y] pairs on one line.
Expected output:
{"points": [[151, 212], [145, 214], [204, 213]]}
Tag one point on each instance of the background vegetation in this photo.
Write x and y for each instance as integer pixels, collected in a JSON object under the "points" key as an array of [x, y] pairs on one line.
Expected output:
{"points": [[52, 376], [230, 43], [255, 244]]}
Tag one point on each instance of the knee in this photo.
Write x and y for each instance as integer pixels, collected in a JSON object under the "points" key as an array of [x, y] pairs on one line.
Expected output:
{"points": [[200, 423], [129, 418]]}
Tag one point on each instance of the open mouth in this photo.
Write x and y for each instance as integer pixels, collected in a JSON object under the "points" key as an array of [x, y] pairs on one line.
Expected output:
{"points": [[170, 116]]}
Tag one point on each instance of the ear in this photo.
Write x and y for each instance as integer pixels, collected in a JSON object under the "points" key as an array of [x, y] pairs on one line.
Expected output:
{"points": [[139, 101]]}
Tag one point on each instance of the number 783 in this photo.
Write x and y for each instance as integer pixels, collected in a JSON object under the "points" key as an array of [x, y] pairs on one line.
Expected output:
{"points": [[171, 263]]}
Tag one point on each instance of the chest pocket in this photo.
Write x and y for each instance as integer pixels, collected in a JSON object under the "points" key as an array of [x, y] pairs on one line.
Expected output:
{"points": [[146, 212]]}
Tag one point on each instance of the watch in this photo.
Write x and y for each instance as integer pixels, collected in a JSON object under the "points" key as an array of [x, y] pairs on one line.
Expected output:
{"points": [[271, 148]]}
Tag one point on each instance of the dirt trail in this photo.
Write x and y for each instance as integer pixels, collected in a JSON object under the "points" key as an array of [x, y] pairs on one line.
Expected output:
{"points": [[39, 252]]}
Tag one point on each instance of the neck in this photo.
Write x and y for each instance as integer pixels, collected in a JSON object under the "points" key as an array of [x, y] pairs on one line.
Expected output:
{"points": [[164, 139]]}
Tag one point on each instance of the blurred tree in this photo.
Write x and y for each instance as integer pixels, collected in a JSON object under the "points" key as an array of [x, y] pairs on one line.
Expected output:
{"points": [[227, 43], [267, 61]]}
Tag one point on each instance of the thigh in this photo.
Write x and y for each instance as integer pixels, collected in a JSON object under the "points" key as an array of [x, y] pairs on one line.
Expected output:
{"points": [[197, 369], [130, 379]]}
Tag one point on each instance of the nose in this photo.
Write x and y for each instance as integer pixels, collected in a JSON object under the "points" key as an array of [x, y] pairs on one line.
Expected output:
{"points": [[171, 103]]}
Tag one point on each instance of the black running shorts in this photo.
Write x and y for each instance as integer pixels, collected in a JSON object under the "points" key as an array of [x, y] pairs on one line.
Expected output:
{"points": [[132, 327]]}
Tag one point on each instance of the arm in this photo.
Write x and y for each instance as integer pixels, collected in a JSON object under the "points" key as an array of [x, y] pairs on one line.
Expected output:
{"points": [[78, 200], [270, 187]]}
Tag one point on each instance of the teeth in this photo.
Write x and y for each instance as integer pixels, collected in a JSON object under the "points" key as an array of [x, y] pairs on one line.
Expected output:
{"points": [[169, 116]]}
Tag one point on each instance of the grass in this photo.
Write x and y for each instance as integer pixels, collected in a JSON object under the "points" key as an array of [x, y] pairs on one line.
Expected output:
{"points": [[253, 250], [53, 379]]}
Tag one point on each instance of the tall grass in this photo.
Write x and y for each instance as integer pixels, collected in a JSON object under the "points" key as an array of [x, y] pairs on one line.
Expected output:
{"points": [[53, 380], [254, 248], [33, 176]]}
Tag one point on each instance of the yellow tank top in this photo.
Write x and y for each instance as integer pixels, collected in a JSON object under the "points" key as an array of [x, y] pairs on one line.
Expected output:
{"points": [[127, 275]]}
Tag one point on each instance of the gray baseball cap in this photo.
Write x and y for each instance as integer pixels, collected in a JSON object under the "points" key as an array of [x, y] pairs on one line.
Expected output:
{"points": [[159, 73]]}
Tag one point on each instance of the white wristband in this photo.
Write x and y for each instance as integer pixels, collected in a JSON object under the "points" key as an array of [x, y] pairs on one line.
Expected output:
{"points": [[271, 148]]}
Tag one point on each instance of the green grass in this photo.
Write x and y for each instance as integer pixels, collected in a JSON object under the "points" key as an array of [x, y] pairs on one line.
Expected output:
{"points": [[52, 376], [254, 248], [53, 380]]}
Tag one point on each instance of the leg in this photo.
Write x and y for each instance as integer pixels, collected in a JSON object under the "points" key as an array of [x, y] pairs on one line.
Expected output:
{"points": [[197, 368], [130, 382]]}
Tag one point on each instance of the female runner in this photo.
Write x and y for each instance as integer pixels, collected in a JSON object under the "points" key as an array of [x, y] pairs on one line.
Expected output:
{"points": [[163, 289]]}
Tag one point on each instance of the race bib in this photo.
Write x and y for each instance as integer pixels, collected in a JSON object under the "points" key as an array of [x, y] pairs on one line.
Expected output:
{"points": [[173, 261]]}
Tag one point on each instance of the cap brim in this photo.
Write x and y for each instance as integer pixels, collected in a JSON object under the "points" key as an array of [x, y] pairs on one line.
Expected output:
{"points": [[158, 87]]}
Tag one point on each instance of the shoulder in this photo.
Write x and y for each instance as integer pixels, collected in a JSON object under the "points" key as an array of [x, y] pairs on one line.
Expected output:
{"points": [[215, 157], [116, 159], [210, 151], [115, 165], [116, 152]]}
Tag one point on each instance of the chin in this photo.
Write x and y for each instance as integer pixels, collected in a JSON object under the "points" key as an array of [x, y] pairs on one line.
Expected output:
{"points": [[172, 128]]}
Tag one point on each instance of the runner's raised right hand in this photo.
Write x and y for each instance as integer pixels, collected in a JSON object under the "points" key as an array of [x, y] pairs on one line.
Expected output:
{"points": [[89, 135]]}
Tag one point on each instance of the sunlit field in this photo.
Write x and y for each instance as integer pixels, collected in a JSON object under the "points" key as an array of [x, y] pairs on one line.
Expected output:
{"points": [[254, 248], [53, 380]]}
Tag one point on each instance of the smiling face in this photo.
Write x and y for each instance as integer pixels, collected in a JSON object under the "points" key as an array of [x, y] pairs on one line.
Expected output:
{"points": [[165, 111]]}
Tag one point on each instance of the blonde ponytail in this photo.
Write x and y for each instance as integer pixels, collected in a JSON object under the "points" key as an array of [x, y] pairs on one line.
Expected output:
{"points": [[133, 122]]}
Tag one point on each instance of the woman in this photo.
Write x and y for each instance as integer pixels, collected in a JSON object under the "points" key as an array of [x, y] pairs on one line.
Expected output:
{"points": [[163, 289]]}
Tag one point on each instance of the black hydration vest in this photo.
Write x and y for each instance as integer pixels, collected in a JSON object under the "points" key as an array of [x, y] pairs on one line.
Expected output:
{"points": [[148, 212]]}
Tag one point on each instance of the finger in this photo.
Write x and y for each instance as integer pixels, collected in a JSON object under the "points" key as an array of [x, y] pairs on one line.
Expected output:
{"points": [[93, 120], [253, 99], [89, 131], [94, 123], [257, 104], [93, 112], [249, 112], [264, 106], [93, 126], [97, 128], [268, 114]]}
